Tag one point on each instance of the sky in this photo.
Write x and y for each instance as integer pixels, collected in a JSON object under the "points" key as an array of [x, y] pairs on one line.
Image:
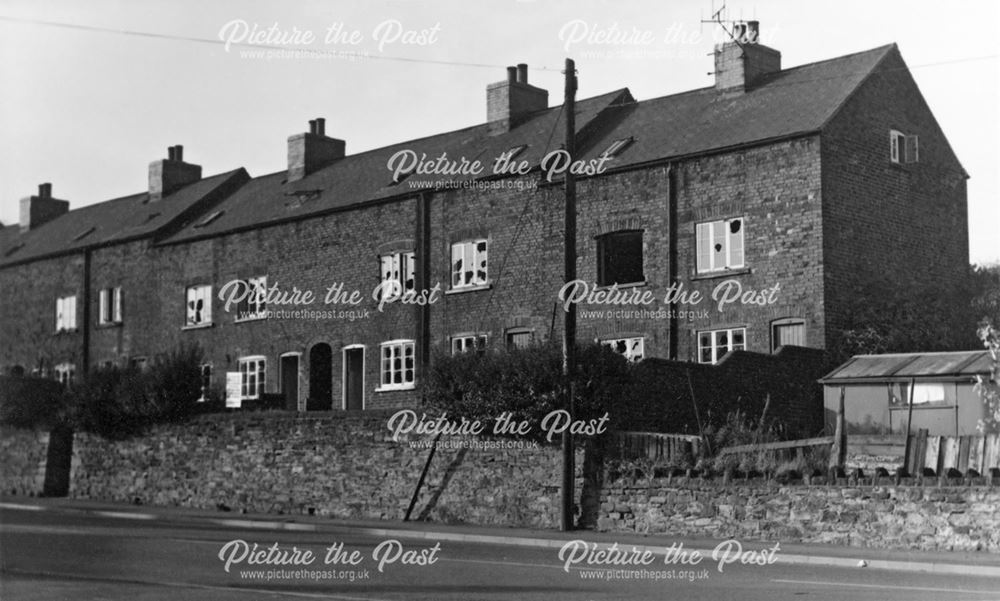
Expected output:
{"points": [[89, 110]]}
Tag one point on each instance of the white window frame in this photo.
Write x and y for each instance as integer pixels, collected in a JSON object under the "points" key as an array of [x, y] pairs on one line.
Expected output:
{"points": [[390, 352], [64, 373], [716, 347], [196, 292], [206, 381], [256, 302], [707, 235], [509, 335], [66, 313], [110, 306], [400, 268], [469, 342], [468, 251], [635, 347], [897, 142], [255, 366]]}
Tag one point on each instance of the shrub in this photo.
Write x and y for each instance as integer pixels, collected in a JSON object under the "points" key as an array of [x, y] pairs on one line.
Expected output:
{"points": [[119, 403], [33, 403], [528, 384]]}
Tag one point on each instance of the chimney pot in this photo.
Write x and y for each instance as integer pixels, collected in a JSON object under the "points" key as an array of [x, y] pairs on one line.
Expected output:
{"points": [[522, 73], [511, 74], [171, 153], [321, 126], [45, 190], [178, 153], [312, 126], [753, 31]]}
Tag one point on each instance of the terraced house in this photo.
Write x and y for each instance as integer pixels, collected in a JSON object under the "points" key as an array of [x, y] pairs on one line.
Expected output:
{"points": [[794, 187]]}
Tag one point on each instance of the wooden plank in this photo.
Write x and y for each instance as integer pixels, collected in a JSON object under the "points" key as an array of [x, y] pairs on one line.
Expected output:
{"points": [[772, 446], [992, 453], [976, 447], [885, 440], [964, 444], [933, 452], [917, 449], [949, 453]]}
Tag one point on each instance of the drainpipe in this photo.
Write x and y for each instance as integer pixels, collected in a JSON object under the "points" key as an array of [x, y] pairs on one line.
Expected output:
{"points": [[422, 242], [85, 330], [672, 334]]}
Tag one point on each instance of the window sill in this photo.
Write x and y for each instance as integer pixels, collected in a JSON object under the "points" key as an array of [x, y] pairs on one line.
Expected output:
{"points": [[924, 406], [65, 332], [249, 319], [712, 275], [622, 286], [396, 387], [197, 326], [464, 289], [109, 325]]}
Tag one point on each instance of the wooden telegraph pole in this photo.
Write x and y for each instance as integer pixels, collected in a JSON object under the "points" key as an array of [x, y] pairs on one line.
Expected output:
{"points": [[569, 316]]}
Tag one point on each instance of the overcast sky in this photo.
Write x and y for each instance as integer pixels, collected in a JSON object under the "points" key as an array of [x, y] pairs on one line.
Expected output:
{"points": [[88, 110]]}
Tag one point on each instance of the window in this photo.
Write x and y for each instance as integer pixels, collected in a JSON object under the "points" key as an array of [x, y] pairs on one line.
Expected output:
{"points": [[209, 219], [903, 148], [633, 349], [619, 258], [66, 314], [923, 393], [464, 343], [399, 274], [199, 305], [252, 377], [139, 363], [206, 382], [617, 146], [64, 373], [720, 245], [110, 305], [712, 345], [519, 338], [785, 332], [254, 304], [397, 367], [468, 264]]}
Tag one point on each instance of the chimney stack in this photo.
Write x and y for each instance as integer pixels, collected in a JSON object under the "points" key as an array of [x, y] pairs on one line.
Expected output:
{"points": [[740, 64], [169, 174], [313, 150], [36, 210], [508, 102]]}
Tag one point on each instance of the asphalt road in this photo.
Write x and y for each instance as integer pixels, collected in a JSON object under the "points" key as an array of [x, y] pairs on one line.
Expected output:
{"points": [[49, 556]]}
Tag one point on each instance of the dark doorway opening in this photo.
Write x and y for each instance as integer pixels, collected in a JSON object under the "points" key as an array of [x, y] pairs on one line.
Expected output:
{"points": [[320, 378]]}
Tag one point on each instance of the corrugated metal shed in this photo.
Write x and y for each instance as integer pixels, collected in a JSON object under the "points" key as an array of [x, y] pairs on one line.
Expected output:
{"points": [[961, 365]]}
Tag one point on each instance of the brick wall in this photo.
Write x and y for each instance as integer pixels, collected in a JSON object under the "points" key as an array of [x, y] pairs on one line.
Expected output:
{"points": [[891, 228]]}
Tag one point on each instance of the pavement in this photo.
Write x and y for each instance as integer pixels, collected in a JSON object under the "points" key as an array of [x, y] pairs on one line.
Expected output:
{"points": [[933, 562]]}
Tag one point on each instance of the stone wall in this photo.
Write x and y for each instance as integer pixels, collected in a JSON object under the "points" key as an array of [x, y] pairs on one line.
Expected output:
{"points": [[22, 461], [965, 518], [331, 464]]}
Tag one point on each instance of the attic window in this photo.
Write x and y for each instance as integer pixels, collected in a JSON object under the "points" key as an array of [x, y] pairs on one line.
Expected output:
{"points": [[513, 152], [84, 234], [212, 217], [617, 146], [903, 148]]}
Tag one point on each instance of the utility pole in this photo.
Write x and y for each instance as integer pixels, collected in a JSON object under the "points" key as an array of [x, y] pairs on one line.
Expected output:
{"points": [[569, 316]]}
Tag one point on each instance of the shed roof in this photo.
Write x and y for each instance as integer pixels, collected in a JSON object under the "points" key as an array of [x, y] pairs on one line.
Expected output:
{"points": [[961, 365]]}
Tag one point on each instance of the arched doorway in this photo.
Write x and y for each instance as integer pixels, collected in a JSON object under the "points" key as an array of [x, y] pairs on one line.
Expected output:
{"points": [[320, 378]]}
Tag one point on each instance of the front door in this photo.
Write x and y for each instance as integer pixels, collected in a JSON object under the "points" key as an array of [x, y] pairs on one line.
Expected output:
{"points": [[290, 381], [354, 379]]}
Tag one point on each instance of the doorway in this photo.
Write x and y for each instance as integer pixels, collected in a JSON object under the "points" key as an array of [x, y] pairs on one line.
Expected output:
{"points": [[354, 378], [320, 378], [290, 381]]}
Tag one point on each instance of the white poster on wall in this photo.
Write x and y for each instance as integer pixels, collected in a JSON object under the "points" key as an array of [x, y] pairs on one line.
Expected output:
{"points": [[233, 391]]}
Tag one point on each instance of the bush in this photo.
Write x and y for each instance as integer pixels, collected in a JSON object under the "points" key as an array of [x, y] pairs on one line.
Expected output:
{"points": [[119, 403], [528, 384], [33, 403]]}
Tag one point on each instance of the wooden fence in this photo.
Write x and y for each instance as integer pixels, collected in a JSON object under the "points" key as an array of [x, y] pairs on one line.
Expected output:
{"points": [[656, 446], [938, 453]]}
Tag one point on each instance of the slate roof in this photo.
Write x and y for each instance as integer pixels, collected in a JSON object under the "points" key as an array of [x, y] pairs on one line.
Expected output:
{"points": [[962, 365], [792, 102], [106, 222]]}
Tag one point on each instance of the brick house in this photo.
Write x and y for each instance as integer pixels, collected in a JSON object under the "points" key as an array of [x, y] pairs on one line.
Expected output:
{"points": [[794, 187]]}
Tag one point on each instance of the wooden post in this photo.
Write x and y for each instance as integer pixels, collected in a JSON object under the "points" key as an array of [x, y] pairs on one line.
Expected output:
{"points": [[838, 452], [909, 419], [569, 317]]}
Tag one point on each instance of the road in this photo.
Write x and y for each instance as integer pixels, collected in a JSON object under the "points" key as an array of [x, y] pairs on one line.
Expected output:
{"points": [[50, 556]]}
